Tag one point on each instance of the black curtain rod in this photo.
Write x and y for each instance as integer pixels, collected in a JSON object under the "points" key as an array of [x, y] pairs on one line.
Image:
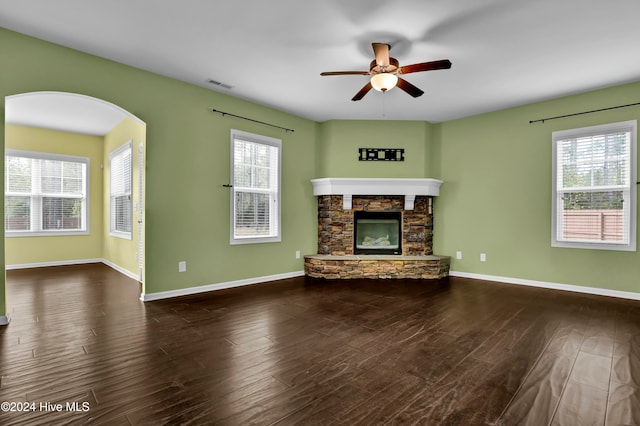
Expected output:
{"points": [[542, 120], [251, 119]]}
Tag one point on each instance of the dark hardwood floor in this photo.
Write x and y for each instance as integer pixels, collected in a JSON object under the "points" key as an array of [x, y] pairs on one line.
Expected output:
{"points": [[311, 352]]}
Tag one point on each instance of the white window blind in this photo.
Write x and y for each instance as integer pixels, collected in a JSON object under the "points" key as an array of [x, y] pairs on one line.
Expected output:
{"points": [[594, 187], [45, 194], [120, 171], [255, 202]]}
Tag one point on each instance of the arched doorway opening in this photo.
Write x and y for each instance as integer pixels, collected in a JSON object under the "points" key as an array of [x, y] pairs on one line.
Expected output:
{"points": [[70, 125]]}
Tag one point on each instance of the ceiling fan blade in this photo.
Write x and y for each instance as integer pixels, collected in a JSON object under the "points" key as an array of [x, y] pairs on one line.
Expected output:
{"points": [[381, 51], [409, 88], [425, 66], [345, 73], [362, 92]]}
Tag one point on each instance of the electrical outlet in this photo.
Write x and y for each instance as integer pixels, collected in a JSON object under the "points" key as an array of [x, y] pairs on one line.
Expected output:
{"points": [[458, 255], [483, 257], [182, 266], [297, 254]]}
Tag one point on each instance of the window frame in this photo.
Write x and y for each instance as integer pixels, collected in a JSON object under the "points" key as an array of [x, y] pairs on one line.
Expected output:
{"points": [[275, 205], [85, 198], [127, 235], [630, 218]]}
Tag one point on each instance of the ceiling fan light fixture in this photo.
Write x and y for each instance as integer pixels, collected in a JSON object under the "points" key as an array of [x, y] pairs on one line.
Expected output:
{"points": [[383, 70], [384, 81]]}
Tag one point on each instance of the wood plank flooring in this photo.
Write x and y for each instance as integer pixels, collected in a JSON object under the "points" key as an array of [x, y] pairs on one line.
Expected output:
{"points": [[313, 352]]}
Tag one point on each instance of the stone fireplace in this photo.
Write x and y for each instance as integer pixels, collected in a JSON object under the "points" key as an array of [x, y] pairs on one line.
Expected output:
{"points": [[375, 228]]}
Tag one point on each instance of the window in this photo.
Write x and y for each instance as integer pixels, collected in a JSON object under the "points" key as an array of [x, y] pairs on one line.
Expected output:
{"points": [[120, 211], [594, 193], [255, 195], [45, 194]]}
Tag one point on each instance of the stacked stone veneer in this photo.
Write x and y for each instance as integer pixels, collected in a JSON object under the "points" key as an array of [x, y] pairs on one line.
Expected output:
{"points": [[335, 225], [335, 258], [376, 266]]}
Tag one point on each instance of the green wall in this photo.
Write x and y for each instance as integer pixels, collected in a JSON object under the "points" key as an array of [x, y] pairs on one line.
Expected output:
{"points": [[30, 250], [339, 140], [496, 198]]}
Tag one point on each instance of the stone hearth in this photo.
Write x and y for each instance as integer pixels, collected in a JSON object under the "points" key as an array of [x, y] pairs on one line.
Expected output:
{"points": [[338, 199], [376, 266]]}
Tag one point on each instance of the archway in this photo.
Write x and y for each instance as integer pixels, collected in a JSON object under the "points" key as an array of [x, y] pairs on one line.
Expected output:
{"points": [[32, 119]]}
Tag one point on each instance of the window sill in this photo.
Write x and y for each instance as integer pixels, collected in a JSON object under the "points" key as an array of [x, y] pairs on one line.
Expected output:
{"points": [[45, 234], [594, 246], [255, 240], [122, 235]]}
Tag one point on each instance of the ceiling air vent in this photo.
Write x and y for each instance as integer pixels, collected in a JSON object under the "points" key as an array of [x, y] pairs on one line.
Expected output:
{"points": [[219, 84]]}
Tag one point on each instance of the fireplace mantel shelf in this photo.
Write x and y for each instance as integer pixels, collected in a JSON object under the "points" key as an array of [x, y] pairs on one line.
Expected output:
{"points": [[348, 187]]}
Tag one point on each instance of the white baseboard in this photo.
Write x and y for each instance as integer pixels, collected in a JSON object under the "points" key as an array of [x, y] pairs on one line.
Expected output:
{"points": [[147, 297], [553, 286], [121, 270], [4, 320], [74, 262], [54, 263]]}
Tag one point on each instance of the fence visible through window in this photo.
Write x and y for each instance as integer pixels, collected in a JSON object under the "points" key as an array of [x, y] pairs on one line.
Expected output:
{"points": [[593, 225]]}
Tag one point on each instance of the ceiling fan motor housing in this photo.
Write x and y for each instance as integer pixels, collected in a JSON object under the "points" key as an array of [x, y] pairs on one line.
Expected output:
{"points": [[392, 68]]}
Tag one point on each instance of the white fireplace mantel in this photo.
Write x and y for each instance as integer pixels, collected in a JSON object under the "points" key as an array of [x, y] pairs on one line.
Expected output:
{"points": [[348, 187]]}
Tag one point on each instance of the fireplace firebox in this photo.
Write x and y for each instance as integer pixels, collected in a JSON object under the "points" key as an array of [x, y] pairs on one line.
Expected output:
{"points": [[377, 232]]}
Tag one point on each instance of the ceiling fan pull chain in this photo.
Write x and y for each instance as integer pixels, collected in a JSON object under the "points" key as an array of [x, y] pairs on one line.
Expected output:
{"points": [[384, 106]]}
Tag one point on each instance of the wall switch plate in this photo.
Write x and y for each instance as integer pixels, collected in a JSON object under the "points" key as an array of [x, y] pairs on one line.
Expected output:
{"points": [[483, 257], [458, 255], [182, 266], [297, 254]]}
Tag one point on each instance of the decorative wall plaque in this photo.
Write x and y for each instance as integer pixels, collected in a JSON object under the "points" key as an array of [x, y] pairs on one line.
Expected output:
{"points": [[381, 154]]}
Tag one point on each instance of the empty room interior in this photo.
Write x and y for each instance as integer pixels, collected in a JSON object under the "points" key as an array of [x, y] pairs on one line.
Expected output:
{"points": [[326, 213]]}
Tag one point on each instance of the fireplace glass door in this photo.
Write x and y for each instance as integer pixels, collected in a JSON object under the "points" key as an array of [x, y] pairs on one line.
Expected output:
{"points": [[377, 233]]}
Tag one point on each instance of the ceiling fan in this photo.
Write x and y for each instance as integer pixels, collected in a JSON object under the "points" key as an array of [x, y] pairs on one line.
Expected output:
{"points": [[384, 72]]}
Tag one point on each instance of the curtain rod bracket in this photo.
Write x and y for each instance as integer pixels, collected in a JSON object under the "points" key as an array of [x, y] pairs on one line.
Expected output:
{"points": [[251, 119]]}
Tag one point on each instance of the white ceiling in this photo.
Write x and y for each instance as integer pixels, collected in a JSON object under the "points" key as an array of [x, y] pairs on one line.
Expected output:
{"points": [[63, 111], [504, 52]]}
